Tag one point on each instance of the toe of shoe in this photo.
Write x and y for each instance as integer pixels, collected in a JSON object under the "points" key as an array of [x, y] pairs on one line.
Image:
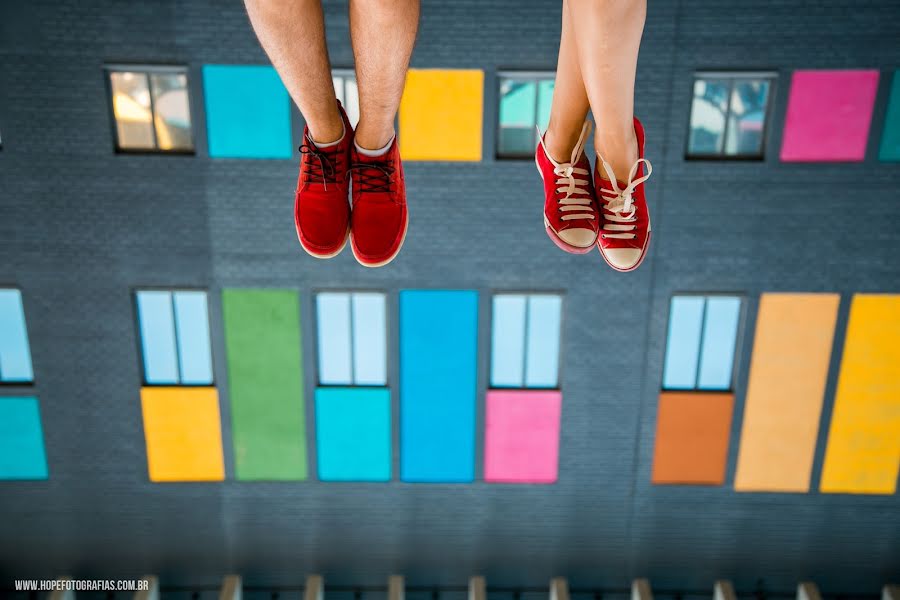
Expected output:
{"points": [[580, 238], [623, 259]]}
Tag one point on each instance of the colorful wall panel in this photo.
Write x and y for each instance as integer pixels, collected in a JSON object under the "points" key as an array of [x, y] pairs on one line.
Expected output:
{"points": [[182, 429], [247, 112], [353, 434], [890, 137], [788, 372], [22, 454], [863, 452], [828, 115], [441, 115], [692, 433], [15, 355], [438, 357], [521, 439], [265, 374]]}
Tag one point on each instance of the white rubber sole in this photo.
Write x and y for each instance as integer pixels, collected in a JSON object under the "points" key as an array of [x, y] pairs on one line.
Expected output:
{"points": [[325, 256]]}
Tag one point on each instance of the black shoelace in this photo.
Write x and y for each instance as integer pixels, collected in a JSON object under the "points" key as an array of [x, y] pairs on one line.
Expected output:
{"points": [[322, 163], [373, 176]]}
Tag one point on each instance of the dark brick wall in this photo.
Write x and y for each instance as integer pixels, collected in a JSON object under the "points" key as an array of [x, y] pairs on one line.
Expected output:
{"points": [[80, 227]]}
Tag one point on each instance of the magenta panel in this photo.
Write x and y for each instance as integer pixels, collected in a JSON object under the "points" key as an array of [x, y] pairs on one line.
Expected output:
{"points": [[828, 115], [522, 436]]}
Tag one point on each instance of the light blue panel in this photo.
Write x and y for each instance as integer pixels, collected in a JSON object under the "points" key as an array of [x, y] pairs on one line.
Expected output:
{"points": [[333, 328], [15, 356], [353, 434], [369, 339], [247, 112], [720, 327], [192, 326], [438, 345], [508, 341], [22, 453], [683, 343], [158, 337], [542, 355]]}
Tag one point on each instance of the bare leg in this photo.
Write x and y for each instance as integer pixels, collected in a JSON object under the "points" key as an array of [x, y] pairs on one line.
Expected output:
{"points": [[292, 32], [608, 36], [383, 33], [570, 101]]}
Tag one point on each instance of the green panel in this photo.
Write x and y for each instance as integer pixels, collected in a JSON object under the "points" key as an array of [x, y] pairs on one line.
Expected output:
{"points": [[265, 375], [890, 138]]}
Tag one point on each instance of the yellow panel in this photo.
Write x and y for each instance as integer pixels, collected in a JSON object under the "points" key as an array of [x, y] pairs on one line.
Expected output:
{"points": [[788, 371], [440, 115], [863, 453], [182, 429]]}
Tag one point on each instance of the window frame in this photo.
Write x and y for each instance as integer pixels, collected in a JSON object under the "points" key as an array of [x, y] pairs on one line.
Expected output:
{"points": [[738, 341], [536, 76], [387, 338], [31, 383], [140, 340], [560, 349], [148, 69], [732, 77]]}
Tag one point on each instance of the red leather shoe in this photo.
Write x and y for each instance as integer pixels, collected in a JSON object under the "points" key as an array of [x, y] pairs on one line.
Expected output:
{"points": [[625, 218], [380, 218], [571, 218], [321, 208]]}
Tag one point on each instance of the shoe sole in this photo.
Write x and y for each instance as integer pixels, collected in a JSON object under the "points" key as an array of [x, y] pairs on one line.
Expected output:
{"points": [[636, 265], [387, 260], [330, 254], [554, 237]]}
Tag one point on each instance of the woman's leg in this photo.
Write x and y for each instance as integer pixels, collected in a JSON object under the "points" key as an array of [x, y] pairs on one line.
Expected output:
{"points": [[570, 100], [608, 37]]}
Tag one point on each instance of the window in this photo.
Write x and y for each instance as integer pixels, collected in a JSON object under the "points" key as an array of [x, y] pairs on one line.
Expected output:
{"points": [[174, 330], [525, 100], [701, 342], [728, 115], [151, 109], [346, 91], [525, 341], [15, 355], [352, 338]]}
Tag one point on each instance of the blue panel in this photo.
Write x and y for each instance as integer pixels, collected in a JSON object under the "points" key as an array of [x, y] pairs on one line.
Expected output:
{"points": [[683, 344], [157, 337], [438, 344], [333, 328], [369, 340], [353, 434], [22, 453], [508, 341], [15, 356], [247, 112], [192, 325], [719, 336], [542, 356]]}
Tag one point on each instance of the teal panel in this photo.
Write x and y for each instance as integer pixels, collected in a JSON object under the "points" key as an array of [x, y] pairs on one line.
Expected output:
{"points": [[890, 137], [247, 112], [22, 453], [353, 434]]}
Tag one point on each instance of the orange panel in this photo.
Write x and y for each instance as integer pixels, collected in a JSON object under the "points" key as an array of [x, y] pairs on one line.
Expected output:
{"points": [[692, 432]]}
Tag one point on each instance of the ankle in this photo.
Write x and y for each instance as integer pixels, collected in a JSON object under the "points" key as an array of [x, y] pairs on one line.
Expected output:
{"points": [[326, 130], [620, 150], [370, 137], [559, 148]]}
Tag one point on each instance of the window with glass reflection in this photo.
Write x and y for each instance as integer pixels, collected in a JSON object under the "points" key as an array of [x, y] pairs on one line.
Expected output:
{"points": [[151, 109], [524, 105], [728, 115]]}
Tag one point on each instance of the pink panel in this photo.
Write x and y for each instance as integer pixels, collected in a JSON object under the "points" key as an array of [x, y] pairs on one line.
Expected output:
{"points": [[828, 115], [522, 436]]}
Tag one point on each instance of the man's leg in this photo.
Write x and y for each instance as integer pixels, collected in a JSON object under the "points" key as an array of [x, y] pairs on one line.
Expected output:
{"points": [[292, 32], [570, 101], [608, 37], [383, 33]]}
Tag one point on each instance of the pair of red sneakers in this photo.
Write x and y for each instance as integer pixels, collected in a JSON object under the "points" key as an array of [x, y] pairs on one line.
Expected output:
{"points": [[576, 218], [376, 224]]}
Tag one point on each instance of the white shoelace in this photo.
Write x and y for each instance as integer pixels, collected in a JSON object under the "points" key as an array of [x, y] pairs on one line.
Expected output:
{"points": [[572, 180], [620, 202]]}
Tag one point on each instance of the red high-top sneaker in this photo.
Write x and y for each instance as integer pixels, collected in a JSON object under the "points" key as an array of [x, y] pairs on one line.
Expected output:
{"points": [[321, 208], [570, 209], [625, 217], [380, 218]]}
